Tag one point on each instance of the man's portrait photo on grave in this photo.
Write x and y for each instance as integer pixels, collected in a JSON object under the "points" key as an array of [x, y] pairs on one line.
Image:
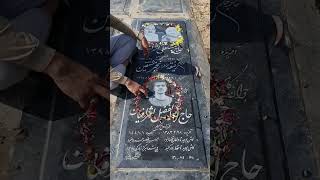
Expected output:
{"points": [[160, 97]]}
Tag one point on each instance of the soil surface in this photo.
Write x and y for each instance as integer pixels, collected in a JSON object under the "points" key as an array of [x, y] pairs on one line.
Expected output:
{"points": [[201, 15]]}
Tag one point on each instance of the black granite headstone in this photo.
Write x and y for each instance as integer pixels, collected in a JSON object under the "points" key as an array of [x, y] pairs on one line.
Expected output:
{"points": [[87, 43], [254, 102], [241, 97], [66, 154], [163, 130]]}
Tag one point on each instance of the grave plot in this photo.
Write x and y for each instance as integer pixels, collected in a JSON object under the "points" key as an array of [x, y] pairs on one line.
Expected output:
{"points": [[164, 7], [242, 139], [120, 7], [162, 129], [66, 157], [27, 155], [257, 130]]}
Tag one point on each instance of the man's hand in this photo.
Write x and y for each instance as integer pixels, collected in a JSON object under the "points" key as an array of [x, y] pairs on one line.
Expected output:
{"points": [[76, 81], [135, 88]]}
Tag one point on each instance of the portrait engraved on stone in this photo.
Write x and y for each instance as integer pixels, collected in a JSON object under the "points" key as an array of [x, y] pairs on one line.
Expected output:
{"points": [[160, 98]]}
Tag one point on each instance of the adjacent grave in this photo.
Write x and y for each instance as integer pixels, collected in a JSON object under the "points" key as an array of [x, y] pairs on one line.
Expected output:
{"points": [[258, 127], [162, 130], [120, 6], [55, 149], [88, 43], [164, 6]]}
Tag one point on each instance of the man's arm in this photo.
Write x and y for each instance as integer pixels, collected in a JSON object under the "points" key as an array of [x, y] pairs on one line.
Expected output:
{"points": [[75, 80], [118, 77], [23, 48], [132, 86], [122, 27]]}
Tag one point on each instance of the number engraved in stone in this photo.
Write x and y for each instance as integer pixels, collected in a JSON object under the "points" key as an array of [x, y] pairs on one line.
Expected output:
{"points": [[97, 51]]}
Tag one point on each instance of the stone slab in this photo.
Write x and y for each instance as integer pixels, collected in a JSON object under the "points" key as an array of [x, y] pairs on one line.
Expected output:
{"points": [[160, 156], [161, 175], [162, 9], [240, 66], [296, 129], [164, 6], [65, 140], [243, 50], [25, 163], [120, 7]]}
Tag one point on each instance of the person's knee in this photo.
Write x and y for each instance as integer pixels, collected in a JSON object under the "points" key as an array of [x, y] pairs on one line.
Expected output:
{"points": [[11, 74], [34, 21], [123, 48], [129, 42]]}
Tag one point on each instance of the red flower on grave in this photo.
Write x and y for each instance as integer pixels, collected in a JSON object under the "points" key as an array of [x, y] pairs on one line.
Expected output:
{"points": [[229, 115]]}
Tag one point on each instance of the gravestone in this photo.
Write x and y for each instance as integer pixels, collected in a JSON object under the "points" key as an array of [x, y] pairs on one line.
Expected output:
{"points": [[162, 129], [257, 124], [66, 153], [164, 6], [87, 42], [119, 6], [242, 98], [27, 155]]}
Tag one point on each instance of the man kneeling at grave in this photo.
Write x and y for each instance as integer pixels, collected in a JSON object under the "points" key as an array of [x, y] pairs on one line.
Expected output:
{"points": [[23, 48], [122, 48]]}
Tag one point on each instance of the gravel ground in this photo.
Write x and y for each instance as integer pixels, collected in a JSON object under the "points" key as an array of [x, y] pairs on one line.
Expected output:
{"points": [[201, 15]]}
